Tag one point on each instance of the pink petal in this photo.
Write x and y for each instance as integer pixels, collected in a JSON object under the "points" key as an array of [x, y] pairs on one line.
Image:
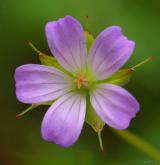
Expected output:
{"points": [[67, 43], [114, 105], [110, 51], [39, 83], [63, 122]]}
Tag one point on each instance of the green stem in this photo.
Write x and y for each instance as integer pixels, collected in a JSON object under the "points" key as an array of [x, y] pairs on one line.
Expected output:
{"points": [[100, 141], [138, 143]]}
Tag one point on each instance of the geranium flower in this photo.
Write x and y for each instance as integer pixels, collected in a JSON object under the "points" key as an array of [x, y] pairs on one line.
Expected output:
{"points": [[63, 122]]}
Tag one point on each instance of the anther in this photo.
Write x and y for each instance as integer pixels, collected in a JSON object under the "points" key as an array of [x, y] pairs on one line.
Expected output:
{"points": [[80, 81]]}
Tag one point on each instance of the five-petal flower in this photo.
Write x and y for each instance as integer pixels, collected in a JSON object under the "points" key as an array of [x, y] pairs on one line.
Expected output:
{"points": [[64, 120]]}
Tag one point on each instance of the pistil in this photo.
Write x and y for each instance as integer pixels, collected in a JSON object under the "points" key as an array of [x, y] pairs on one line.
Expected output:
{"points": [[81, 81]]}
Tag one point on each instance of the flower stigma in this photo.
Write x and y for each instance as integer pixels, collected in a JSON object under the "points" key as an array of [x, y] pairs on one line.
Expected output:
{"points": [[81, 81]]}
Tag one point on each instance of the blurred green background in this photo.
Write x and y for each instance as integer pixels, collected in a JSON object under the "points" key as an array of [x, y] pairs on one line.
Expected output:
{"points": [[20, 140]]}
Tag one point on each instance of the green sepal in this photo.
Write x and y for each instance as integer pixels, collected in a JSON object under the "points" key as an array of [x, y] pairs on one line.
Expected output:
{"points": [[92, 118], [89, 40], [51, 61], [26, 110], [47, 102], [33, 106], [120, 78], [48, 60]]}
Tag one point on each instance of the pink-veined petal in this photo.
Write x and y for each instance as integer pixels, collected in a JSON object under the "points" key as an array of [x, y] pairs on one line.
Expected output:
{"points": [[67, 43], [63, 122], [114, 105], [110, 50], [39, 83]]}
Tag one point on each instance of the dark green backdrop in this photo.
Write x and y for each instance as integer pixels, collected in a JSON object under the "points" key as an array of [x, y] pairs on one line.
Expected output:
{"points": [[20, 140]]}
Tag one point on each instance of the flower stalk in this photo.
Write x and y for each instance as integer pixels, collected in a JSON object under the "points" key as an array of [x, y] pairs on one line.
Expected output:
{"points": [[138, 143], [100, 141]]}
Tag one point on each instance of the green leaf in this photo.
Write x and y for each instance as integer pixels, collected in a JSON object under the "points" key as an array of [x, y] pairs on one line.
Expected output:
{"points": [[121, 77], [92, 118], [89, 40]]}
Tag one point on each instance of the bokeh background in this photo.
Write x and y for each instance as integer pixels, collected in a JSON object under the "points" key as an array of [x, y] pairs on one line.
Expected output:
{"points": [[20, 140]]}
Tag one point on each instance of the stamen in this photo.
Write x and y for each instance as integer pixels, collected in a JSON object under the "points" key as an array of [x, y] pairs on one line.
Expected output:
{"points": [[143, 62], [100, 141], [27, 110], [87, 23], [81, 81]]}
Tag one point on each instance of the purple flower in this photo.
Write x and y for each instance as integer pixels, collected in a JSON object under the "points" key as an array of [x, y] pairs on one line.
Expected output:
{"points": [[64, 120]]}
